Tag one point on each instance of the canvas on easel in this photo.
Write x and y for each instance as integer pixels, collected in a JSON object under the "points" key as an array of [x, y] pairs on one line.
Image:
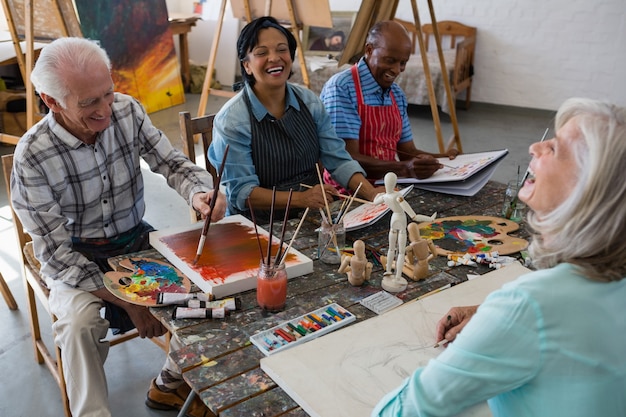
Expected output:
{"points": [[137, 37], [294, 14]]}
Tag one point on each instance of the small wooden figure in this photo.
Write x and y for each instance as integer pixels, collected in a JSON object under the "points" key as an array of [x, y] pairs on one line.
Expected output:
{"points": [[394, 282], [357, 266], [418, 253]]}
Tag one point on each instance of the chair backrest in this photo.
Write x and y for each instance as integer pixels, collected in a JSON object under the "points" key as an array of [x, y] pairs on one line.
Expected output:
{"points": [[447, 28], [201, 126], [22, 237], [47, 20], [190, 127]]}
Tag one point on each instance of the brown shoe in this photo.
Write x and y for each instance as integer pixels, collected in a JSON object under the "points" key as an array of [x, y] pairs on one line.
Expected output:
{"points": [[161, 400]]}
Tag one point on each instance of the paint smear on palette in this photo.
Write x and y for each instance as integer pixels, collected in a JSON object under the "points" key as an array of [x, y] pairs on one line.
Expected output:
{"points": [[467, 236], [148, 279], [229, 248]]}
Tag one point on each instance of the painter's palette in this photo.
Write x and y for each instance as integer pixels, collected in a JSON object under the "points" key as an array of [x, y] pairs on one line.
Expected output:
{"points": [[473, 235], [145, 279]]}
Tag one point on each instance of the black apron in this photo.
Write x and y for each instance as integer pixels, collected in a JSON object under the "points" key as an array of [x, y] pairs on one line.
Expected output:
{"points": [[284, 153]]}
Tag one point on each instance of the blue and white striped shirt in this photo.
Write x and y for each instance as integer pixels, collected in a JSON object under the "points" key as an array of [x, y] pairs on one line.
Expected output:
{"points": [[339, 98]]}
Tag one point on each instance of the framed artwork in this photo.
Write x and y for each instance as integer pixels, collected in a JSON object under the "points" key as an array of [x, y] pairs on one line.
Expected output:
{"points": [[329, 40]]}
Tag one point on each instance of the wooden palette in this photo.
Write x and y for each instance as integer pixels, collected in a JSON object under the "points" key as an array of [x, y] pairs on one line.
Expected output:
{"points": [[145, 279], [473, 235]]}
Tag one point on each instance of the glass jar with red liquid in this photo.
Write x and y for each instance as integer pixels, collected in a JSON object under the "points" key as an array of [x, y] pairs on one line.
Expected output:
{"points": [[271, 286]]}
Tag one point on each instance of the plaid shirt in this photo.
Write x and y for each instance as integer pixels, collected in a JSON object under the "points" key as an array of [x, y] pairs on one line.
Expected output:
{"points": [[62, 188]]}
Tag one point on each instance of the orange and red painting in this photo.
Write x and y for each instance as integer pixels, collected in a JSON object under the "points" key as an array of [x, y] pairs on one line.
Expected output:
{"points": [[230, 258], [137, 38]]}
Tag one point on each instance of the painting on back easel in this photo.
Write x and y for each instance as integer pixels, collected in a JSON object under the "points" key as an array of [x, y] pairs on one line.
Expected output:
{"points": [[137, 38]]}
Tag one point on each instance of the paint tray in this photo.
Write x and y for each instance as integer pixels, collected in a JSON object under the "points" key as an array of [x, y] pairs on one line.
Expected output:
{"points": [[302, 329]]}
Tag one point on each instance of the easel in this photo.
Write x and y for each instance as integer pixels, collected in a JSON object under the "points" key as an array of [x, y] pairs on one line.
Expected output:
{"points": [[372, 11], [456, 137], [208, 79], [41, 19]]}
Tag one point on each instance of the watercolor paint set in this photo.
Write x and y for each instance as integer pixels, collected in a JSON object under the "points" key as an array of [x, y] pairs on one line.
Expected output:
{"points": [[302, 329], [381, 302]]}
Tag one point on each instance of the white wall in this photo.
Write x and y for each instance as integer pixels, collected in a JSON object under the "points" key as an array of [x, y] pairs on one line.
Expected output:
{"points": [[537, 53], [201, 38], [529, 53]]}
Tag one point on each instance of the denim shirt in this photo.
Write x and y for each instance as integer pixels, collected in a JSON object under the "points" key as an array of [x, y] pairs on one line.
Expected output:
{"points": [[232, 127]]}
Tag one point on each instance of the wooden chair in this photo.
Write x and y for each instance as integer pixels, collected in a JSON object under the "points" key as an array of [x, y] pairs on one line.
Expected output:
{"points": [[463, 39], [7, 294], [189, 128], [36, 21], [36, 287]]}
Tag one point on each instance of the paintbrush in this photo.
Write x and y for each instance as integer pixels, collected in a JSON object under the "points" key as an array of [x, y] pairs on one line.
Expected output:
{"points": [[207, 220], [256, 230], [293, 238], [511, 207], [269, 243], [282, 233], [412, 155], [343, 196]]}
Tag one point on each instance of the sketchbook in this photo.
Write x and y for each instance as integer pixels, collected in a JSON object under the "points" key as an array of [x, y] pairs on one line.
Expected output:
{"points": [[368, 214], [230, 260], [464, 175], [346, 373]]}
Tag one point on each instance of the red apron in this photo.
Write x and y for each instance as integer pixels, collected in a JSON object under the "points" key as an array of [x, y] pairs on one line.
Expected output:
{"points": [[381, 128]]}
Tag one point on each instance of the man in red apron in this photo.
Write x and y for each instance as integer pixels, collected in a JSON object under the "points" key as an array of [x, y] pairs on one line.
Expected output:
{"points": [[369, 110]]}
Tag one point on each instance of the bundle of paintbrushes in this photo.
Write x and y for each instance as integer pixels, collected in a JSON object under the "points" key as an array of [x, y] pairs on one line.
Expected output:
{"points": [[281, 254]]}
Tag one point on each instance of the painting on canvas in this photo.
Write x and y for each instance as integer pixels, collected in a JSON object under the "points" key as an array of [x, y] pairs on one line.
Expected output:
{"points": [[140, 45], [231, 256]]}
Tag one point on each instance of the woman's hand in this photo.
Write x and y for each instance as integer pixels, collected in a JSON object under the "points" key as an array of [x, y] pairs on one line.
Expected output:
{"points": [[452, 323], [314, 197]]}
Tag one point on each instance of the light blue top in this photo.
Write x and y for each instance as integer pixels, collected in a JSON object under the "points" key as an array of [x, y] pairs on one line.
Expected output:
{"points": [[232, 126], [339, 98], [552, 343]]}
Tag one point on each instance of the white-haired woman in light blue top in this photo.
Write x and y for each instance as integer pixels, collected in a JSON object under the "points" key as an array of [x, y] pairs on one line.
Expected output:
{"points": [[553, 342]]}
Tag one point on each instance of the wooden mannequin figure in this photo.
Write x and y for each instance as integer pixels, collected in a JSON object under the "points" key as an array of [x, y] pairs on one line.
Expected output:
{"points": [[418, 253], [357, 266], [393, 280]]}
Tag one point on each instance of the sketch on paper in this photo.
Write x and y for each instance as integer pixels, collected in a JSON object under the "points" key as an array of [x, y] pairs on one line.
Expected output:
{"points": [[368, 214], [328, 377]]}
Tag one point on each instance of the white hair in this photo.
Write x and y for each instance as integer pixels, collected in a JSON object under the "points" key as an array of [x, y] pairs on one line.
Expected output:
{"points": [[588, 229], [61, 58]]}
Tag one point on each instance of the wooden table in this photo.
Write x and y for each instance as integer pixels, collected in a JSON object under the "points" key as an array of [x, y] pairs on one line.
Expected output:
{"points": [[222, 366], [181, 25]]}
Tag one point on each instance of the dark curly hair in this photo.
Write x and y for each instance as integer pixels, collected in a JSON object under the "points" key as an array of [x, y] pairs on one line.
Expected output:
{"points": [[249, 38]]}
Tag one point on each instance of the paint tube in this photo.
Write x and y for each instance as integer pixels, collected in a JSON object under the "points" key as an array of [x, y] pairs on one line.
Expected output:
{"points": [[166, 298], [231, 303], [199, 313]]}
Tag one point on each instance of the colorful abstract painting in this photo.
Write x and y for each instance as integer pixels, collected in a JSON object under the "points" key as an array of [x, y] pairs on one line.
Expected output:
{"points": [[137, 38]]}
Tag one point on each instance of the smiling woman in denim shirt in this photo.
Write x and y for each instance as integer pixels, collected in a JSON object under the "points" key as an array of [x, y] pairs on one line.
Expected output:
{"points": [[277, 132]]}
